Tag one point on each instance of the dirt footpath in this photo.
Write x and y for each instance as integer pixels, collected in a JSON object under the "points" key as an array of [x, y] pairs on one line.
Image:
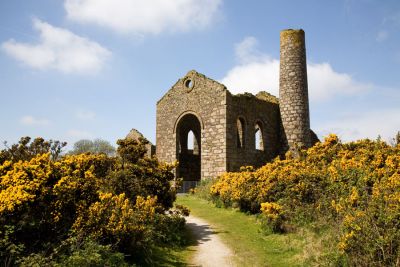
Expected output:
{"points": [[210, 251]]}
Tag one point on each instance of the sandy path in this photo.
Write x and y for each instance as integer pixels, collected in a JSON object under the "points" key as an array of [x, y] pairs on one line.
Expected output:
{"points": [[210, 250]]}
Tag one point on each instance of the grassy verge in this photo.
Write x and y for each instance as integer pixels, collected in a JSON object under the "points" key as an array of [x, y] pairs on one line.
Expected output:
{"points": [[176, 256], [243, 235]]}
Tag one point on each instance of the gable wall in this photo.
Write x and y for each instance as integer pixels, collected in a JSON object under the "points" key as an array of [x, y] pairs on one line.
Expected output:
{"points": [[207, 100]]}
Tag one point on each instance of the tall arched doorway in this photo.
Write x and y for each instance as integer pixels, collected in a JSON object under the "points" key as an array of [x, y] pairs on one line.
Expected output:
{"points": [[188, 150]]}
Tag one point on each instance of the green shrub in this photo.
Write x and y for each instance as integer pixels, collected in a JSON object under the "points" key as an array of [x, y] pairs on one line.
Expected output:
{"points": [[202, 189], [120, 203], [353, 188], [91, 253]]}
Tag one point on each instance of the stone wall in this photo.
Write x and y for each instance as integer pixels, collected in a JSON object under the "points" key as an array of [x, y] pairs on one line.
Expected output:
{"points": [[223, 124], [262, 110], [205, 99], [293, 91], [136, 135]]}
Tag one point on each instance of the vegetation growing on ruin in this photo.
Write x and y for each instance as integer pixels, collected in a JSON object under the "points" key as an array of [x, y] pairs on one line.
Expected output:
{"points": [[295, 36], [347, 194]]}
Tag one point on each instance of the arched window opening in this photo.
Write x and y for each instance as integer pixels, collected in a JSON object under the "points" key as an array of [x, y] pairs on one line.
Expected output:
{"points": [[190, 140], [240, 132], [259, 141], [192, 143]]}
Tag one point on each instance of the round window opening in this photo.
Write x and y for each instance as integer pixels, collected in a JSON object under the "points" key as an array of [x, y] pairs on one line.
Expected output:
{"points": [[189, 83]]}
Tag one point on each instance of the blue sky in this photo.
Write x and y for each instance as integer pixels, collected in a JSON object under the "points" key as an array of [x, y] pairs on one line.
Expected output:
{"points": [[78, 69]]}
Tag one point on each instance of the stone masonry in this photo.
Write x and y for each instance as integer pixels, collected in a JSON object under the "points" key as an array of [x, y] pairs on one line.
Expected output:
{"points": [[136, 135], [198, 104], [293, 90], [230, 131]]}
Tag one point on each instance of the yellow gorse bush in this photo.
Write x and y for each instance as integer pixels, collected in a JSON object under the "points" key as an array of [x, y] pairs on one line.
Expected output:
{"points": [[115, 216], [48, 205], [355, 186], [271, 210], [21, 182]]}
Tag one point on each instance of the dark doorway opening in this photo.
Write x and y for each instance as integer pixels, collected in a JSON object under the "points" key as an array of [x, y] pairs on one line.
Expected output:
{"points": [[188, 142]]}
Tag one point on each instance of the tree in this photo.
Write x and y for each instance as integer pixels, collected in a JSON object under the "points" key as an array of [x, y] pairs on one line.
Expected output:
{"points": [[97, 146], [26, 150], [395, 141]]}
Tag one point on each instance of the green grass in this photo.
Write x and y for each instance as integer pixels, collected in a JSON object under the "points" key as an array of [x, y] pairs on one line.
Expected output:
{"points": [[175, 256], [243, 234]]}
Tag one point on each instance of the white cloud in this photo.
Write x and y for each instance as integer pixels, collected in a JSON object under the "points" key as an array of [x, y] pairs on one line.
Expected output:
{"points": [[32, 121], [325, 83], [142, 17], [254, 77], [247, 51], [258, 72], [85, 114], [368, 124], [79, 134], [58, 49], [382, 36]]}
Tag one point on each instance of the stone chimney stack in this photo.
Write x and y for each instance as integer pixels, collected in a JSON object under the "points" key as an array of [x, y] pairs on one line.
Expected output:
{"points": [[293, 90]]}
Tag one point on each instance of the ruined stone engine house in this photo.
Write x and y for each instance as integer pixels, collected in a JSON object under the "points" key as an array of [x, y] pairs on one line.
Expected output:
{"points": [[210, 131]]}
